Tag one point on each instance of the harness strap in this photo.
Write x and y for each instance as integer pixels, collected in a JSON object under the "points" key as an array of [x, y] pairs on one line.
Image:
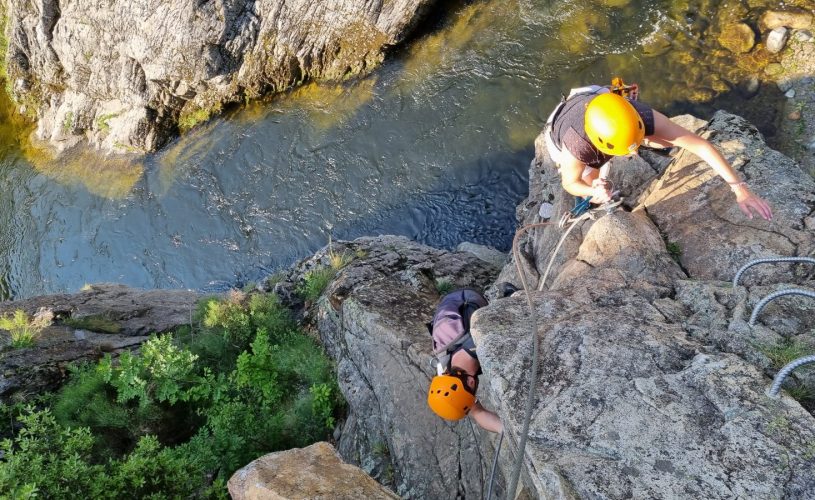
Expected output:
{"points": [[591, 89]]}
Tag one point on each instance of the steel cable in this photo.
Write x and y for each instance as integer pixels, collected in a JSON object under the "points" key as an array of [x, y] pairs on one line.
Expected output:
{"points": [[775, 295], [768, 260], [779, 379]]}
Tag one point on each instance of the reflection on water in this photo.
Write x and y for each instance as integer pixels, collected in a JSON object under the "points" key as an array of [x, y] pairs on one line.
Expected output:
{"points": [[435, 145]]}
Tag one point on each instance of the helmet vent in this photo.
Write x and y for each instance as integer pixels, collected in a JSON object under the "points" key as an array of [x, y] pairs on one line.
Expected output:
{"points": [[639, 124], [610, 145], [454, 387], [446, 393]]}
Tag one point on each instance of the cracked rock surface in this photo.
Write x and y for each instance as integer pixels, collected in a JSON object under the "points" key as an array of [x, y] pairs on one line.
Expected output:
{"points": [[651, 382], [121, 73], [371, 320], [129, 316]]}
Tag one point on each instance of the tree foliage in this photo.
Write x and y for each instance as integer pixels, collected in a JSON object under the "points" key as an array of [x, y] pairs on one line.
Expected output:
{"points": [[178, 418]]}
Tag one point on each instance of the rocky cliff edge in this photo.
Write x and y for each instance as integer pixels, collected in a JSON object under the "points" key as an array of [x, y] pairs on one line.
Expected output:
{"points": [[651, 384]]}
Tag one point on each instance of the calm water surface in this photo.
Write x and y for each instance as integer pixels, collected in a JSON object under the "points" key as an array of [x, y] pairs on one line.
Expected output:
{"points": [[435, 145]]}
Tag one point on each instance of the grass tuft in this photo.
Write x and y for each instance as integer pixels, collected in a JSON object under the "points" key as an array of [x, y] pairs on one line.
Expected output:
{"points": [[315, 282], [443, 286], [24, 330]]}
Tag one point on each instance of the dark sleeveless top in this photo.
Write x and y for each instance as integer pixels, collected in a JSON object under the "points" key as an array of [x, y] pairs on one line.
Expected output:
{"points": [[569, 129]]}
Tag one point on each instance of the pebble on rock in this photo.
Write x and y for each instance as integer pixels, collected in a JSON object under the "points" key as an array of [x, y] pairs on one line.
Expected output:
{"points": [[803, 36], [795, 115], [777, 39], [790, 94]]}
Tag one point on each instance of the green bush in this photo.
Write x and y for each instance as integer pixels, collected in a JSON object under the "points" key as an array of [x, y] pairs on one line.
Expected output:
{"points": [[162, 373], [54, 461], [239, 321], [176, 421], [315, 282]]}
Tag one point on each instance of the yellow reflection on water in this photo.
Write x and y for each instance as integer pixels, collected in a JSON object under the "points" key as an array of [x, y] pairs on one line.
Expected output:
{"points": [[181, 153], [429, 53], [110, 177], [107, 176], [328, 105]]}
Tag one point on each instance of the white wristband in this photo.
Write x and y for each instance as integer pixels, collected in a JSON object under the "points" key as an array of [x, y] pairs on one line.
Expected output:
{"points": [[734, 185]]}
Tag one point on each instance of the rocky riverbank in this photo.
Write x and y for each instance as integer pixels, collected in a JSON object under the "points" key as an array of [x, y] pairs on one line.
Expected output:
{"points": [[126, 76]]}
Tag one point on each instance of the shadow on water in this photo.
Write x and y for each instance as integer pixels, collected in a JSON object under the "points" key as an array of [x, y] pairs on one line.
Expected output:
{"points": [[763, 111], [477, 206]]}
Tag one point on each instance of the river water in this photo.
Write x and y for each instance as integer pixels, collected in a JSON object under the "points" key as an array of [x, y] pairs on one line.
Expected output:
{"points": [[434, 145]]}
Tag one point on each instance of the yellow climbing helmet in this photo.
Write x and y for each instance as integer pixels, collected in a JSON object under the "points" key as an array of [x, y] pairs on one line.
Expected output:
{"points": [[613, 125], [449, 397]]}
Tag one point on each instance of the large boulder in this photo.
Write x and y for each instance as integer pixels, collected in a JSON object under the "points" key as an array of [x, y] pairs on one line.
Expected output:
{"points": [[124, 74], [371, 320], [313, 472], [737, 37], [103, 318], [633, 400]]}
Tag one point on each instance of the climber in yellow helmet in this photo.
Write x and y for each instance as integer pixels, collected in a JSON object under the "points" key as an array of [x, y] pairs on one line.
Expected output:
{"points": [[594, 124]]}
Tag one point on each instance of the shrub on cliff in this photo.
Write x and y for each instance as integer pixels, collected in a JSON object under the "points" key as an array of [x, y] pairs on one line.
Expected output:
{"points": [[179, 418]]}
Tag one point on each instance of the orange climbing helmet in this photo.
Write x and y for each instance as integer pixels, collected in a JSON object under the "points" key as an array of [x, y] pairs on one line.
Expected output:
{"points": [[449, 395], [613, 125]]}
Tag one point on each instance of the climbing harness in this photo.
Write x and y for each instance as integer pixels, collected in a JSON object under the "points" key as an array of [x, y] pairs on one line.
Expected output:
{"points": [[450, 327], [779, 379], [619, 87], [768, 260], [775, 295]]}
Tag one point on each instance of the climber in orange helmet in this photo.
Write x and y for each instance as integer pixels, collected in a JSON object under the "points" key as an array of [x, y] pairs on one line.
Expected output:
{"points": [[452, 391], [592, 125]]}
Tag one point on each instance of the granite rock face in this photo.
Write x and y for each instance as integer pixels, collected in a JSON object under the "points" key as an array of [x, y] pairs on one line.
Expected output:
{"points": [[313, 472], [123, 74], [371, 320], [124, 316], [695, 209], [651, 382]]}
